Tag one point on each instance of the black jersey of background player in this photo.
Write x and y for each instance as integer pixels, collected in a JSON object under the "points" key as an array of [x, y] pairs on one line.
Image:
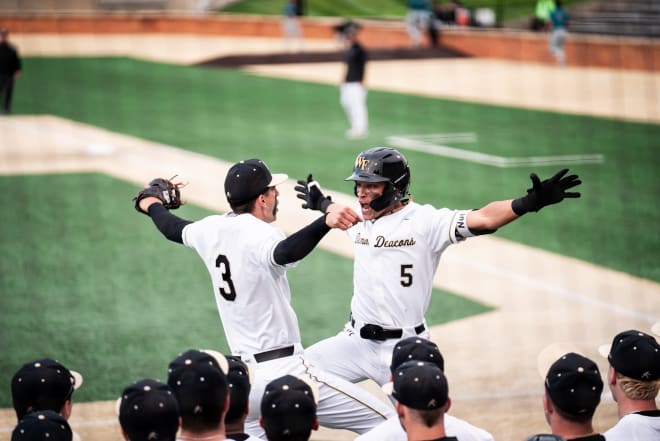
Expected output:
{"points": [[356, 58]]}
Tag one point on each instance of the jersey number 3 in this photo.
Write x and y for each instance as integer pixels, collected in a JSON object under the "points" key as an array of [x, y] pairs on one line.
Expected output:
{"points": [[227, 290]]}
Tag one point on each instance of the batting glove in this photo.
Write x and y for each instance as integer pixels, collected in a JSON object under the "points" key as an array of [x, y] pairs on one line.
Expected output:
{"points": [[547, 192], [310, 192]]}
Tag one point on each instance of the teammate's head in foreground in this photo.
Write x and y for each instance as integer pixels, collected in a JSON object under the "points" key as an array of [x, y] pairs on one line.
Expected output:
{"points": [[382, 180], [199, 381], [288, 409], [422, 398], [634, 372], [572, 392], [44, 384], [148, 410], [42, 425], [250, 188], [239, 382]]}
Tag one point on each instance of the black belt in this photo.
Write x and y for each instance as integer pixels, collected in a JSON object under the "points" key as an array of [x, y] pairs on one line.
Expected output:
{"points": [[273, 354], [377, 332]]}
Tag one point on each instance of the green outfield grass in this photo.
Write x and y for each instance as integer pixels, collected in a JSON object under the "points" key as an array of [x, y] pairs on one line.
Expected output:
{"points": [[508, 9], [89, 281]]}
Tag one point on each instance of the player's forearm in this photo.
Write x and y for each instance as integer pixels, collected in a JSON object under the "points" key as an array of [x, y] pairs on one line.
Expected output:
{"points": [[491, 217], [300, 243], [170, 225]]}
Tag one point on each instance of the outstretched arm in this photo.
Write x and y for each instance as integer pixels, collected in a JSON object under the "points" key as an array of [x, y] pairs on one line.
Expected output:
{"points": [[542, 193]]}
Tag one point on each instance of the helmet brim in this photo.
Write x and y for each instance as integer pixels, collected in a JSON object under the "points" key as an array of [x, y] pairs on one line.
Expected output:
{"points": [[364, 177]]}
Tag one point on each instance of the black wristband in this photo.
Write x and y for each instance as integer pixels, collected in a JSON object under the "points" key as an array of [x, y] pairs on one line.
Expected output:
{"points": [[520, 206]]}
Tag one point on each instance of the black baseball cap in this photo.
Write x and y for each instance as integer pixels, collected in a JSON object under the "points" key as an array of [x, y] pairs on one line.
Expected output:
{"points": [[43, 384], [288, 406], [635, 355], [43, 425], [574, 384], [239, 382], [416, 348], [419, 385], [148, 410], [199, 381], [248, 179]]}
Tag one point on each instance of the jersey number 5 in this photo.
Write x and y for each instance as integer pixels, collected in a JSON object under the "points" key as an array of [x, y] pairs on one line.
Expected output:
{"points": [[406, 275], [227, 290]]}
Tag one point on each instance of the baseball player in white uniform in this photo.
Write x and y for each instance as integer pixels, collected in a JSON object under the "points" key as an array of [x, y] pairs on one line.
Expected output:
{"points": [[247, 259], [421, 349], [397, 251]]}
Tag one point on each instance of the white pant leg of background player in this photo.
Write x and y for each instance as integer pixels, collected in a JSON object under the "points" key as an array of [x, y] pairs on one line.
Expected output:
{"points": [[342, 405], [353, 98]]}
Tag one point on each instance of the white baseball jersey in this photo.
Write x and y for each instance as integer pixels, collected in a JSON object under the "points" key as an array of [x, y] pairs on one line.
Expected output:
{"points": [[391, 430], [635, 427], [251, 290], [254, 302], [396, 257]]}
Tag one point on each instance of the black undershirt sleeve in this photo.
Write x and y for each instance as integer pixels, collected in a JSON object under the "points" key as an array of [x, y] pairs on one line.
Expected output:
{"points": [[300, 243], [170, 225]]}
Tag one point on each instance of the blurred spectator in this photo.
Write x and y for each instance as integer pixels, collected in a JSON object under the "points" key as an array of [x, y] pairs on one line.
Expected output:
{"points": [[634, 380], [559, 23], [293, 37], [44, 425], [417, 20], [239, 382], [44, 384], [148, 410], [422, 399], [541, 19], [462, 14], [353, 94], [198, 379], [10, 70], [572, 393], [288, 409]]}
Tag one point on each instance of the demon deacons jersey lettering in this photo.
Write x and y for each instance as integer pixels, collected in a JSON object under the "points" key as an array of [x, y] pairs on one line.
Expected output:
{"points": [[396, 257], [251, 290]]}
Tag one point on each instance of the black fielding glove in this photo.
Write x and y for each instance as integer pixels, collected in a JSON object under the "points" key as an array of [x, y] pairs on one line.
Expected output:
{"points": [[547, 192], [310, 192]]}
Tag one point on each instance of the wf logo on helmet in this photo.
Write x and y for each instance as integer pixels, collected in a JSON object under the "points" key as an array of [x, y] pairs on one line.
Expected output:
{"points": [[361, 162]]}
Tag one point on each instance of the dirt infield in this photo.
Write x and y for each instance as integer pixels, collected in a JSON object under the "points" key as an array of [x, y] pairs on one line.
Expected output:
{"points": [[540, 298]]}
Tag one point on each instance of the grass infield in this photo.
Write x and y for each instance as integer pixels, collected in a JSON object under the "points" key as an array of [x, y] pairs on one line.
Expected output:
{"points": [[88, 281]]}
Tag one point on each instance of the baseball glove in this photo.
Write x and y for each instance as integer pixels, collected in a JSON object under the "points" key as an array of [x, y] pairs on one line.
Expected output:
{"points": [[162, 189]]}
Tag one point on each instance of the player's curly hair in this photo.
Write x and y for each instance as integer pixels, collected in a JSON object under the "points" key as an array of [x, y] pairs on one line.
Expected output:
{"points": [[637, 389]]}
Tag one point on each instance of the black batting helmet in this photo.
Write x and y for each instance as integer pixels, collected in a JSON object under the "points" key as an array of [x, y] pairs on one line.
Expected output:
{"points": [[383, 164]]}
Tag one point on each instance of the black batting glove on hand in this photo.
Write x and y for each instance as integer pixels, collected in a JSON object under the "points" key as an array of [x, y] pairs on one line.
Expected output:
{"points": [[310, 192], [547, 192]]}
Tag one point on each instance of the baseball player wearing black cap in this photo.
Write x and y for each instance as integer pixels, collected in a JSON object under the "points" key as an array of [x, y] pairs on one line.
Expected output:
{"points": [[572, 393], [634, 380], [43, 425], [198, 379], [422, 399], [288, 409], [421, 349], [247, 259], [397, 252], [44, 384], [148, 410], [239, 382]]}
